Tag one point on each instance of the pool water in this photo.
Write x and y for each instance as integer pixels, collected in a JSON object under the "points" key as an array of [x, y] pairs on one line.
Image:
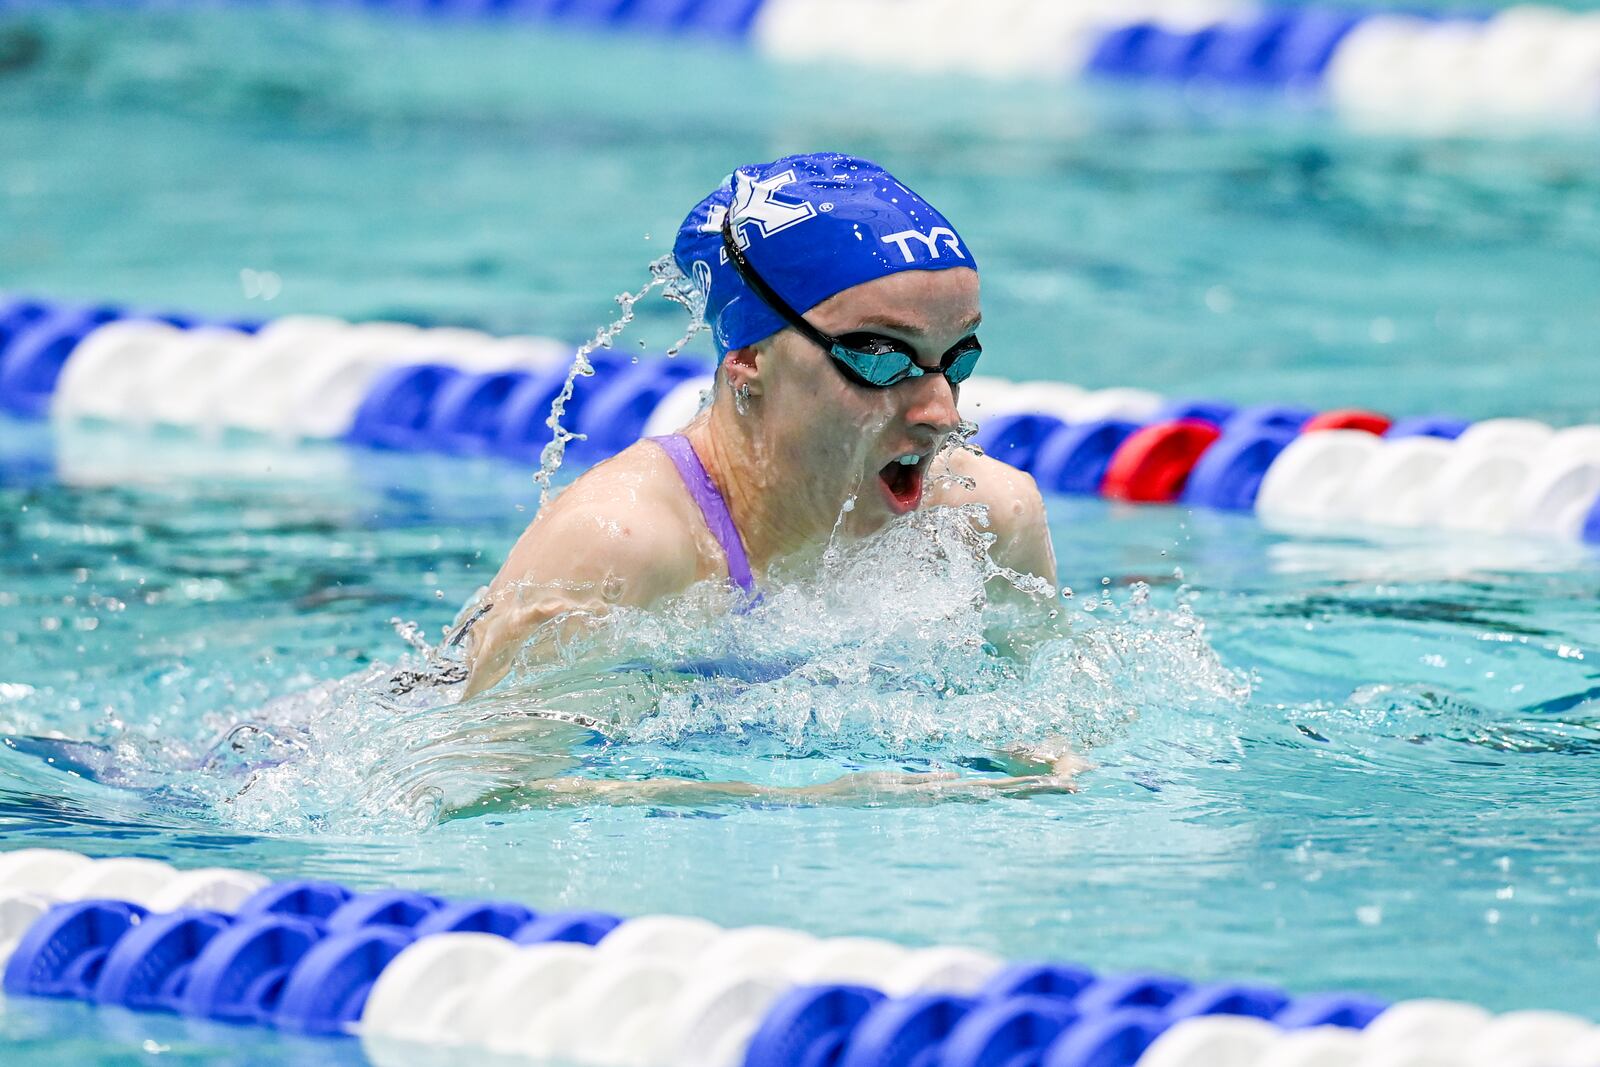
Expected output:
{"points": [[1323, 757]]}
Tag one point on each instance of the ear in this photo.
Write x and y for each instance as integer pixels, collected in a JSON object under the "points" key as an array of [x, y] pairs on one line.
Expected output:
{"points": [[742, 366]]}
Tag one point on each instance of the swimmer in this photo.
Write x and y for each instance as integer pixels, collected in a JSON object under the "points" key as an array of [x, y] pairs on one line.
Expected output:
{"points": [[845, 311]]}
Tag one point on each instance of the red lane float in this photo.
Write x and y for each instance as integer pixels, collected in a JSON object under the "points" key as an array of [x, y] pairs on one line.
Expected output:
{"points": [[1152, 465], [1349, 419]]}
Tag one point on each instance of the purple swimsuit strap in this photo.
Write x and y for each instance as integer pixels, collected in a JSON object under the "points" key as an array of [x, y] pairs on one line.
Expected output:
{"points": [[715, 510]]}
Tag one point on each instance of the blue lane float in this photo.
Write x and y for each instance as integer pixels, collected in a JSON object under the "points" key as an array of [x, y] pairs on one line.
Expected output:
{"points": [[300, 956], [148, 968], [1278, 48], [1075, 458], [1525, 62], [316, 958], [1044, 1015], [240, 975], [36, 352], [1228, 475], [465, 412], [456, 407], [326, 990], [62, 953]]}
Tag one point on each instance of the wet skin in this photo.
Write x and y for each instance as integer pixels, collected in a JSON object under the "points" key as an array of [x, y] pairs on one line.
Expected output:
{"points": [[787, 440]]}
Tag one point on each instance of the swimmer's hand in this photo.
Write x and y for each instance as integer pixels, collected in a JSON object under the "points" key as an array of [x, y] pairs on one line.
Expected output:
{"points": [[1049, 756], [890, 787]]}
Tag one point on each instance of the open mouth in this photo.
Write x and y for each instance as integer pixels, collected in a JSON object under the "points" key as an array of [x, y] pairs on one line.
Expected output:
{"points": [[902, 482]]}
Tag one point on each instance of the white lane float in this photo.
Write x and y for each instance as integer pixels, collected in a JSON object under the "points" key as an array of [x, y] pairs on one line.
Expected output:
{"points": [[984, 396], [999, 38], [1582, 1052], [1425, 1021], [331, 380], [1563, 485], [131, 878], [179, 388], [497, 1012], [1526, 1038], [1313, 476], [106, 364], [1519, 47], [771, 949], [669, 937], [40, 870], [219, 889], [1391, 488], [1132, 405], [522, 352], [1065, 402], [1506, 433], [59, 875], [1368, 75], [707, 1013], [944, 969], [256, 376], [1318, 1046], [19, 910], [1525, 63], [710, 1021], [848, 959], [309, 329], [1475, 488], [679, 406], [582, 1024], [1211, 1041], [428, 987]]}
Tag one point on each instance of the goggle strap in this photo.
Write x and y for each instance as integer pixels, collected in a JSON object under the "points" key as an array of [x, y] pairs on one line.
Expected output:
{"points": [[748, 275]]}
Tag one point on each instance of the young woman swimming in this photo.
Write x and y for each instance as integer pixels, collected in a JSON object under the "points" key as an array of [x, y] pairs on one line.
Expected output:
{"points": [[845, 309]]}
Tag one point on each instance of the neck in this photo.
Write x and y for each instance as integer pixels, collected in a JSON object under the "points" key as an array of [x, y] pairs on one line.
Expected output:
{"points": [[743, 464]]}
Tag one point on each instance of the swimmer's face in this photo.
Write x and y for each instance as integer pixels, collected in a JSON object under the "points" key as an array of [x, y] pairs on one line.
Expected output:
{"points": [[837, 439]]}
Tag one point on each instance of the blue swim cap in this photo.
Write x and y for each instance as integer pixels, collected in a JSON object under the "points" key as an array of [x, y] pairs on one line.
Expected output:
{"points": [[812, 226]]}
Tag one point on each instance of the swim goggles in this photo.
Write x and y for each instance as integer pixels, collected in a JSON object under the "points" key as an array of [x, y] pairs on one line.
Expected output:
{"points": [[868, 359]]}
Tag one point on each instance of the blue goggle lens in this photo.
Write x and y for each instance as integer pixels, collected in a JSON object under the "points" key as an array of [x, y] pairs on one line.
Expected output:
{"points": [[887, 367]]}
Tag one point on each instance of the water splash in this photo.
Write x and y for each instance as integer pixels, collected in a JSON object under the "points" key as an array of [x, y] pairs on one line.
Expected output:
{"points": [[889, 650], [894, 645], [555, 451], [680, 289], [940, 473]]}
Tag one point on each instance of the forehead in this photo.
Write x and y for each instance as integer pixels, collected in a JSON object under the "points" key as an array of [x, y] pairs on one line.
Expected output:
{"points": [[931, 301]]}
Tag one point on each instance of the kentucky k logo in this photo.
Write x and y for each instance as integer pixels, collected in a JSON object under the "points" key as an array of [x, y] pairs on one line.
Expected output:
{"points": [[757, 203]]}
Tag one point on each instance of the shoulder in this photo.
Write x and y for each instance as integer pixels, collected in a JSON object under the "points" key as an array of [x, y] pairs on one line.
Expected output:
{"points": [[1011, 495], [1016, 511], [625, 519], [619, 535]]}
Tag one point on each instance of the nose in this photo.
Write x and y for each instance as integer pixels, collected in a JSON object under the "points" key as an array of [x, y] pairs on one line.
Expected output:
{"points": [[932, 405]]}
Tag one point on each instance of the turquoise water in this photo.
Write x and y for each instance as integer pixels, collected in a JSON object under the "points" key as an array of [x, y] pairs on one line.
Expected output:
{"points": [[1322, 758]]}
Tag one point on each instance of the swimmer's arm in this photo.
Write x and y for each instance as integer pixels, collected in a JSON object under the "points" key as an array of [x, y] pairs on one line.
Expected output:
{"points": [[1022, 533], [1016, 514], [868, 789], [583, 557], [1052, 756]]}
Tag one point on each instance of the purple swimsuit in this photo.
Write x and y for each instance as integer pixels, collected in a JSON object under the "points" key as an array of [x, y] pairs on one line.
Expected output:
{"points": [[712, 507]]}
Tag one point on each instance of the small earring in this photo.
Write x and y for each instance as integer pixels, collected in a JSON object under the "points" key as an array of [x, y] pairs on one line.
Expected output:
{"points": [[741, 398]]}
